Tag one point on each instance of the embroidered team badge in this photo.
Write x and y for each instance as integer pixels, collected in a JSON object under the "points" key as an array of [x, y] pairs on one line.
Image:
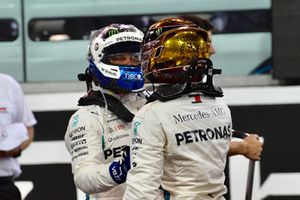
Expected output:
{"points": [[197, 98]]}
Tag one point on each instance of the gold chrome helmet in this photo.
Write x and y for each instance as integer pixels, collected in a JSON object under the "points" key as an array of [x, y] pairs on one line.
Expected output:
{"points": [[166, 58], [164, 25]]}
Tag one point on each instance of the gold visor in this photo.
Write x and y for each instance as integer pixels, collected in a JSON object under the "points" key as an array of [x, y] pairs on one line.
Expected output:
{"points": [[176, 49]]}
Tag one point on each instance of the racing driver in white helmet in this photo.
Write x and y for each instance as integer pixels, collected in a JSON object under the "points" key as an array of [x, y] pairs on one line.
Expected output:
{"points": [[97, 135]]}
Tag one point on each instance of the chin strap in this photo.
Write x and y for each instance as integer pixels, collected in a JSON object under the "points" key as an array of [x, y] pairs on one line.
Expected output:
{"points": [[114, 105], [169, 92]]}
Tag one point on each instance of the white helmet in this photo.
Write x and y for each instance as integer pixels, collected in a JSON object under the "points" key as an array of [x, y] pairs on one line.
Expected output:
{"points": [[111, 40]]}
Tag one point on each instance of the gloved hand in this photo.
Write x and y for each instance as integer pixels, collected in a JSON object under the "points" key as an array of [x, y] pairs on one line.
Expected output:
{"points": [[118, 169]]}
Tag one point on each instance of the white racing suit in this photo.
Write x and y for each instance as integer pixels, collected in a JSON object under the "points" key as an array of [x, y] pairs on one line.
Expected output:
{"points": [[179, 150], [94, 142]]}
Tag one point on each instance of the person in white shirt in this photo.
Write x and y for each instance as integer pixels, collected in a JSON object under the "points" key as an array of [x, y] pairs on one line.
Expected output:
{"points": [[16, 133]]}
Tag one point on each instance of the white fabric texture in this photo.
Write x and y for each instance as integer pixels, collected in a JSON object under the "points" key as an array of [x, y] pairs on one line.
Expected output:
{"points": [[12, 136], [94, 139], [179, 150]]}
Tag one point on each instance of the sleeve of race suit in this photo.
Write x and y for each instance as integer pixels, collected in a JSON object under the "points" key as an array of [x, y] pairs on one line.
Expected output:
{"points": [[83, 140], [148, 140]]}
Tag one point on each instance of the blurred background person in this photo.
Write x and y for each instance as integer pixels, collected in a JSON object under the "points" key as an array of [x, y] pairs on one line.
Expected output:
{"points": [[16, 134], [251, 147]]}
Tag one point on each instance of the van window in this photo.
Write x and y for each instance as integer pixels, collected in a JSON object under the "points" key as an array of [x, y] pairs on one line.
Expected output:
{"points": [[78, 28], [8, 30], [246, 21]]}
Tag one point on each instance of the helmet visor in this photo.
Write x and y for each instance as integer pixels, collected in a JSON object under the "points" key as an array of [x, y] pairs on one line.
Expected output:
{"points": [[123, 59], [180, 47], [174, 52], [122, 47]]}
